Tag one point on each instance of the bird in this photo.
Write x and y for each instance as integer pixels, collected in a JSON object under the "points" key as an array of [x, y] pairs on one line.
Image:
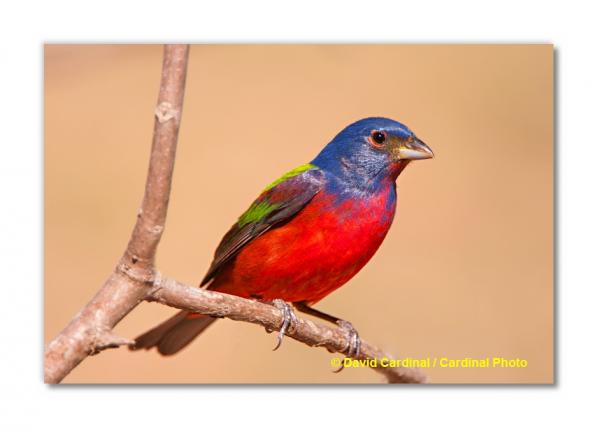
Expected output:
{"points": [[308, 232]]}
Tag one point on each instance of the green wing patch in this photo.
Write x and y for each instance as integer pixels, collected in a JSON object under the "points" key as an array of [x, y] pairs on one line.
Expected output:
{"points": [[262, 208], [290, 174], [256, 212]]}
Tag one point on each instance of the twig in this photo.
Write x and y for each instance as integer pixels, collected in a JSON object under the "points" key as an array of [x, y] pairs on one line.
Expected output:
{"points": [[135, 278]]}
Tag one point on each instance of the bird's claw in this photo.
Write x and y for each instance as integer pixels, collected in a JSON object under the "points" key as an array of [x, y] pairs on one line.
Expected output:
{"points": [[289, 319], [353, 348]]}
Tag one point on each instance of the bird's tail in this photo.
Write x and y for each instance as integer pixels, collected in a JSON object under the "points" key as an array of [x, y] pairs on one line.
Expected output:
{"points": [[175, 333]]}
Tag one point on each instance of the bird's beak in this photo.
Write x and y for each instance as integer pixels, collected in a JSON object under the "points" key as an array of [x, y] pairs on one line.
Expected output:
{"points": [[413, 149]]}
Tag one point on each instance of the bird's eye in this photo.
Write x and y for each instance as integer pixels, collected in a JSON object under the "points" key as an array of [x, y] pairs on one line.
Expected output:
{"points": [[378, 138]]}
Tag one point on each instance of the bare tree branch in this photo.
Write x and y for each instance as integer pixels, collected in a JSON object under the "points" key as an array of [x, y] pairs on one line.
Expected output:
{"points": [[172, 293], [135, 278], [132, 279]]}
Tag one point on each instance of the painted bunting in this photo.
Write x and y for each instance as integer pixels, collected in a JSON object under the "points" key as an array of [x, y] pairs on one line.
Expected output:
{"points": [[309, 232]]}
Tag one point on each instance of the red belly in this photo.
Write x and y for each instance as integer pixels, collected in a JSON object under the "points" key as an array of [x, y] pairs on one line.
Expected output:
{"points": [[316, 252]]}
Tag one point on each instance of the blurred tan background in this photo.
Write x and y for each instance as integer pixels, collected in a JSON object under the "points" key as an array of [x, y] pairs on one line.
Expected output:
{"points": [[466, 270]]}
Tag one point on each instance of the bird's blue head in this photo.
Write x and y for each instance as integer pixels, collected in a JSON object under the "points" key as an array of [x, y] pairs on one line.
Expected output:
{"points": [[370, 151]]}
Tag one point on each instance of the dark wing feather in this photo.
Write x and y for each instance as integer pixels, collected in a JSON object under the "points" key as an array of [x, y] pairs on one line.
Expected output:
{"points": [[274, 206]]}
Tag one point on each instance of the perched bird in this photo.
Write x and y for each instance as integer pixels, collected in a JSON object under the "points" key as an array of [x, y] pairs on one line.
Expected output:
{"points": [[309, 232]]}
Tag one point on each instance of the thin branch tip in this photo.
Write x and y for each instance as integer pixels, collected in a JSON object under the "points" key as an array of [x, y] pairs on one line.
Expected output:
{"points": [[108, 340]]}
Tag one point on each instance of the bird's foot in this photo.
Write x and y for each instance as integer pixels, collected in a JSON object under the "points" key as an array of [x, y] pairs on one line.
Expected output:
{"points": [[353, 348], [289, 319]]}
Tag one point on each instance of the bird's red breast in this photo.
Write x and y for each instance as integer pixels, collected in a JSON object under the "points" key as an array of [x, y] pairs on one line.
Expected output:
{"points": [[314, 253]]}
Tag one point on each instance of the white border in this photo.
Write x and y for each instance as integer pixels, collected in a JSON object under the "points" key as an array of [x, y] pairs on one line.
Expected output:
{"points": [[27, 402]]}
